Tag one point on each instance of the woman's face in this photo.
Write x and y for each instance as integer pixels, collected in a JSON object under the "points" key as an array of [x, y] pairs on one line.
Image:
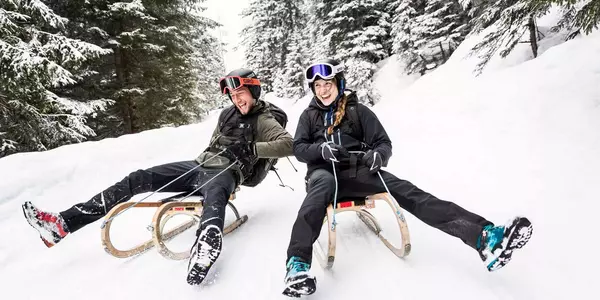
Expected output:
{"points": [[326, 91]]}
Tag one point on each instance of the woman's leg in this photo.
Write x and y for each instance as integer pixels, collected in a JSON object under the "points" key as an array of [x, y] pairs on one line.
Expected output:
{"points": [[443, 215], [320, 189]]}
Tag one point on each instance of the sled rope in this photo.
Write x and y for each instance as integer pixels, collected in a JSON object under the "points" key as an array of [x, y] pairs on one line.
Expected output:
{"points": [[197, 189], [161, 188], [384, 185], [333, 222]]}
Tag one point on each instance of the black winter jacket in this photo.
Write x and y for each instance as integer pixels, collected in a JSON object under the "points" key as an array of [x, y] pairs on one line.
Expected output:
{"points": [[311, 132]]}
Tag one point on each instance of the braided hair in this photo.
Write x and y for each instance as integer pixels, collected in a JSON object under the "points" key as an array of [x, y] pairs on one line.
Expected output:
{"points": [[340, 111]]}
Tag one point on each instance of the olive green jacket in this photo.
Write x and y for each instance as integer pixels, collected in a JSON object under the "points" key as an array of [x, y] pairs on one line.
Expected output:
{"points": [[271, 140]]}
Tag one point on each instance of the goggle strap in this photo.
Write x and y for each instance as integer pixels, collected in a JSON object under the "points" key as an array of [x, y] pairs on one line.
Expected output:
{"points": [[229, 82]]}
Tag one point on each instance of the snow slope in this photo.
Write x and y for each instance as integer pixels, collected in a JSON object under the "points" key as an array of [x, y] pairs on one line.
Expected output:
{"points": [[520, 140]]}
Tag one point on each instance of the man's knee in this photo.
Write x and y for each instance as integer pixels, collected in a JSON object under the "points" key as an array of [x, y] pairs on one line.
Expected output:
{"points": [[139, 181], [219, 190], [216, 195]]}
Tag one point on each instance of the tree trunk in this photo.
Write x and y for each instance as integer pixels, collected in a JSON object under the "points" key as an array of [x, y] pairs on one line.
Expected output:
{"points": [[444, 58], [130, 100], [533, 36], [124, 100]]}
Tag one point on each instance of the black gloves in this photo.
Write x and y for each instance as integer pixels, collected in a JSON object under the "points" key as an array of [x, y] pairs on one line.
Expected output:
{"points": [[373, 160], [226, 141], [241, 150], [333, 152]]}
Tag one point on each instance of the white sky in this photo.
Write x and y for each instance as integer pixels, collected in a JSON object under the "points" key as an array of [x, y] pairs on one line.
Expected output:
{"points": [[227, 12]]}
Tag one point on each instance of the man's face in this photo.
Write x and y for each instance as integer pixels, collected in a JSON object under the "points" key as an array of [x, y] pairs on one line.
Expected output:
{"points": [[326, 91], [242, 98]]}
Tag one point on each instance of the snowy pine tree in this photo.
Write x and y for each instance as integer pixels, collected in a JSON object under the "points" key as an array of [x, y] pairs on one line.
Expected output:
{"points": [[268, 40], [37, 59], [91, 22], [209, 66], [319, 38], [403, 40], [507, 21], [587, 14], [163, 72], [182, 66], [426, 33], [442, 27], [358, 31], [259, 39], [389, 7], [289, 79], [577, 15]]}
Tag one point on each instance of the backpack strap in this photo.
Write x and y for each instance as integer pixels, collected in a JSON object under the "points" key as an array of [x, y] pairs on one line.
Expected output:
{"points": [[225, 116], [356, 125]]}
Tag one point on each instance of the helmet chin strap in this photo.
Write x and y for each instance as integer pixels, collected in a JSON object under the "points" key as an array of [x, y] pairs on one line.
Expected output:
{"points": [[341, 93]]}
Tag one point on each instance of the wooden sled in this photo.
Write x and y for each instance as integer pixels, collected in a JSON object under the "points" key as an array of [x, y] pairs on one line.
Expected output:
{"points": [[361, 206], [166, 209]]}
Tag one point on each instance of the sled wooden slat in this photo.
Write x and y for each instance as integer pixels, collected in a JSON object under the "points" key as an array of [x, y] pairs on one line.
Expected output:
{"points": [[165, 210], [326, 259], [105, 232]]}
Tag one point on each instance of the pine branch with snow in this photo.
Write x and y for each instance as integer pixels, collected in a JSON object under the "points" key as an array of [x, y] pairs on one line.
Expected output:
{"points": [[319, 39], [291, 49], [426, 33], [358, 31], [505, 22], [578, 16], [273, 25], [289, 82], [259, 38], [164, 67], [37, 58]]}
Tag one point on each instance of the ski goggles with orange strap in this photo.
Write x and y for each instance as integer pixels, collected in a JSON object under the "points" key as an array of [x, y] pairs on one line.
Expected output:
{"points": [[323, 70], [233, 83]]}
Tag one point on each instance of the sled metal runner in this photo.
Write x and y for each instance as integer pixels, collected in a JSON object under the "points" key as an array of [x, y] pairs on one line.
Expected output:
{"points": [[361, 206], [165, 210]]}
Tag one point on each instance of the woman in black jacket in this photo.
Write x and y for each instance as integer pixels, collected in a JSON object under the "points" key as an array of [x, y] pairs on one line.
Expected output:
{"points": [[336, 131]]}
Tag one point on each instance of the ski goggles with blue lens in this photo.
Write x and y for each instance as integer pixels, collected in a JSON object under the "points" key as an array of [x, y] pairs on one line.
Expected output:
{"points": [[323, 70]]}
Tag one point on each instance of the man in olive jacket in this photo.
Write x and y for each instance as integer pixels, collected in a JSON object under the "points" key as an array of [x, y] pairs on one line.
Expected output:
{"points": [[247, 140]]}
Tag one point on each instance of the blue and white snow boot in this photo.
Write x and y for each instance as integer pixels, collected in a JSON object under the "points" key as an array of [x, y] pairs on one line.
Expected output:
{"points": [[497, 243], [298, 281], [204, 253]]}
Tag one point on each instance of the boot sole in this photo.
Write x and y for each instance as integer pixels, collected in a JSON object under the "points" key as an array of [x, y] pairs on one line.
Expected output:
{"points": [[300, 288], [198, 272], [519, 235], [197, 275]]}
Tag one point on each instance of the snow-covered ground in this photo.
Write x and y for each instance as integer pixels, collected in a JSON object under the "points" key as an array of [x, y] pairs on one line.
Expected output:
{"points": [[522, 139]]}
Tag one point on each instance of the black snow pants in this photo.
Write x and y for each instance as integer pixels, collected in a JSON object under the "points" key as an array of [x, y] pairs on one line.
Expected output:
{"points": [[320, 185], [216, 193]]}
